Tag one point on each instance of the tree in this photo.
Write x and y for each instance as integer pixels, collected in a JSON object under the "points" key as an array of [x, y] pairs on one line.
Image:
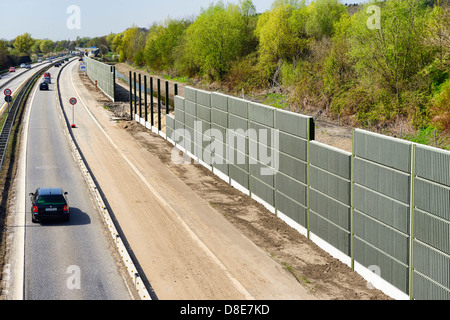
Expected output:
{"points": [[47, 46], [215, 40], [162, 41], [322, 15], [281, 37], [110, 40], [36, 49], [395, 52], [3, 54], [133, 41], [117, 43], [24, 43]]}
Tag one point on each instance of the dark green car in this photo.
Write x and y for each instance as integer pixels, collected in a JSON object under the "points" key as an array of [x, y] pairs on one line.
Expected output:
{"points": [[49, 204]]}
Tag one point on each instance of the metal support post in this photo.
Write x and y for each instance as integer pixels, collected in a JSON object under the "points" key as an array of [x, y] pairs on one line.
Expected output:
{"points": [[167, 97], [135, 95], [131, 95], [145, 97], [151, 102], [140, 96], [159, 105]]}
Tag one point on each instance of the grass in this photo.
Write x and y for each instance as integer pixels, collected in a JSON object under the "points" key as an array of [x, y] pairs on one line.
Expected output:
{"points": [[427, 136], [3, 119], [303, 280], [276, 100], [177, 79]]}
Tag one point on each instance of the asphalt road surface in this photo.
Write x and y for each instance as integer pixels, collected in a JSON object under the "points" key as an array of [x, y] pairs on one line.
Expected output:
{"points": [[17, 78], [186, 248], [64, 260]]}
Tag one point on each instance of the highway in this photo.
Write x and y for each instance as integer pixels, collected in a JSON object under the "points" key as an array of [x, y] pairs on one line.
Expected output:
{"points": [[186, 248], [13, 80], [61, 261]]}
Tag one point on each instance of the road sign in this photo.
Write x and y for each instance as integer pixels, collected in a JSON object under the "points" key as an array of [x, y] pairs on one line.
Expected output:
{"points": [[73, 102], [8, 99], [83, 67], [7, 92]]}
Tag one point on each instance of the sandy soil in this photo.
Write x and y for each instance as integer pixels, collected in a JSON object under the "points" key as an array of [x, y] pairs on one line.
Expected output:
{"points": [[213, 211]]}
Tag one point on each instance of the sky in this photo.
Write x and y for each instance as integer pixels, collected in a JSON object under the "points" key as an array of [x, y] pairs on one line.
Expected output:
{"points": [[67, 19]]}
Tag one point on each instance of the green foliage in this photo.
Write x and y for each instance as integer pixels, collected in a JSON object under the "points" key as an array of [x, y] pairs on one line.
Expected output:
{"points": [[322, 15], [139, 58], [215, 40], [130, 45], [24, 43], [280, 37], [424, 136], [396, 52], [276, 100], [323, 54], [46, 46], [162, 41], [243, 74], [440, 107]]}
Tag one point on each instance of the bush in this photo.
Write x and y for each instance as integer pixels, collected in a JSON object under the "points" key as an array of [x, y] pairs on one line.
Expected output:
{"points": [[440, 107], [244, 75]]}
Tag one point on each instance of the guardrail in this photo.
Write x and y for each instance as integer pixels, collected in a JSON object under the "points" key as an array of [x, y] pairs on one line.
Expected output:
{"points": [[15, 77]]}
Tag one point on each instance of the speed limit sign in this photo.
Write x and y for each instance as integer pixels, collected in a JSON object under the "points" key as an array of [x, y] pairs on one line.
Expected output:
{"points": [[7, 92], [73, 102]]}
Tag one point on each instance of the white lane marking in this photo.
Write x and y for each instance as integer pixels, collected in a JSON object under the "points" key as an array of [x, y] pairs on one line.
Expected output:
{"points": [[201, 244], [121, 249], [12, 95], [19, 241]]}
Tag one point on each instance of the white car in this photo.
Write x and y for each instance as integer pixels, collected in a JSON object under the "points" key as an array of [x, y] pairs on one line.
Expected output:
{"points": [[23, 65]]}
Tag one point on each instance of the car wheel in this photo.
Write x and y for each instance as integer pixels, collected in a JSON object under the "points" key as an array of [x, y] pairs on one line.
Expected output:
{"points": [[33, 219]]}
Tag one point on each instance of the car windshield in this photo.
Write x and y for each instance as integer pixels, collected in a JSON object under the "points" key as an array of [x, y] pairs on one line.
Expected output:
{"points": [[55, 200]]}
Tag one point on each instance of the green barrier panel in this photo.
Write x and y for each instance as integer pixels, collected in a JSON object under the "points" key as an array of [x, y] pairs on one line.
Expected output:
{"points": [[366, 204], [219, 101], [170, 126], [431, 280], [238, 107], [382, 171], [384, 150], [330, 195], [294, 133], [431, 226], [391, 270], [190, 94], [104, 74], [204, 98], [426, 289]]}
